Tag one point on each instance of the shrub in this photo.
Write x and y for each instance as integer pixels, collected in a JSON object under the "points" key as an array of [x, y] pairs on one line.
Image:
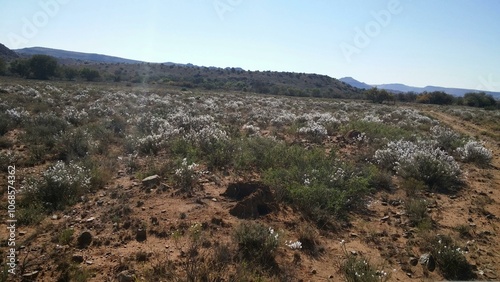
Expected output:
{"points": [[416, 210], [313, 131], [447, 139], [256, 243], [309, 240], [421, 161], [30, 212], [74, 145], [359, 269], [186, 176], [61, 185], [450, 259], [45, 129], [65, 236], [475, 152]]}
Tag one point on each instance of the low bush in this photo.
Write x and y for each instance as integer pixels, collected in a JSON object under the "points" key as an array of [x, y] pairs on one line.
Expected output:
{"points": [[450, 259], [186, 176], [475, 152], [422, 161], [416, 210], [359, 269], [257, 243], [61, 185]]}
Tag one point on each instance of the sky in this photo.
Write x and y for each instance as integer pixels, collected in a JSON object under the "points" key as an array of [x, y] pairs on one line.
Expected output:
{"points": [[450, 43]]}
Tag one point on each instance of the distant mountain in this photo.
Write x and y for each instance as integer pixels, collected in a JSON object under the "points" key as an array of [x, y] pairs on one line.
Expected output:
{"points": [[63, 54], [353, 82], [6, 53], [399, 88]]}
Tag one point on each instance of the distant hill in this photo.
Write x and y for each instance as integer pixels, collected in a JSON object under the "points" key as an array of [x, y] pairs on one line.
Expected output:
{"points": [[398, 88], [452, 91], [6, 53], [63, 54], [353, 82]]}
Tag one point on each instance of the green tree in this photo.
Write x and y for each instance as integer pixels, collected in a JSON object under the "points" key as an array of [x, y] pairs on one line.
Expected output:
{"points": [[20, 67], [3, 67], [70, 73], [42, 66], [89, 74], [481, 100], [379, 96]]}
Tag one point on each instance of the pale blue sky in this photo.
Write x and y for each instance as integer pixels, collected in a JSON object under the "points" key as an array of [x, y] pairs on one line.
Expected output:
{"points": [[452, 43]]}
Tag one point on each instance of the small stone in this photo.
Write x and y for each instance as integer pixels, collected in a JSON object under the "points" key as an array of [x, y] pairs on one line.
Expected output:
{"points": [[141, 235], [89, 262], [314, 271], [84, 240], [413, 261], [354, 253], [353, 235], [214, 200], [55, 217], [77, 258], [151, 181], [90, 219], [126, 276], [385, 218], [30, 275]]}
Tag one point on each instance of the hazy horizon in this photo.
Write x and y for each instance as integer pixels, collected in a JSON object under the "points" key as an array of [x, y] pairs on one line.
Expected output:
{"points": [[417, 43]]}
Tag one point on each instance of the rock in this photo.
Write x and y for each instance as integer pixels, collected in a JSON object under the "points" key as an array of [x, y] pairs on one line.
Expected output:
{"points": [[385, 218], [84, 240], [77, 258], [55, 217], [353, 235], [126, 276], [90, 219], [413, 261], [30, 275], [352, 134], [314, 271], [429, 261], [89, 262], [255, 199], [141, 235], [151, 181]]}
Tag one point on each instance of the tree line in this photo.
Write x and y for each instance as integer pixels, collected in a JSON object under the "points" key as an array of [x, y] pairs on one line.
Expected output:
{"points": [[472, 99], [45, 67]]}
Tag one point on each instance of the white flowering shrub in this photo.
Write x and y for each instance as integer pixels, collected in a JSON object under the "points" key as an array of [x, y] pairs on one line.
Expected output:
{"points": [[475, 152], [61, 185], [359, 269], [186, 176], [447, 139], [450, 259], [422, 161], [313, 131], [251, 129], [297, 245], [75, 116], [256, 243]]}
